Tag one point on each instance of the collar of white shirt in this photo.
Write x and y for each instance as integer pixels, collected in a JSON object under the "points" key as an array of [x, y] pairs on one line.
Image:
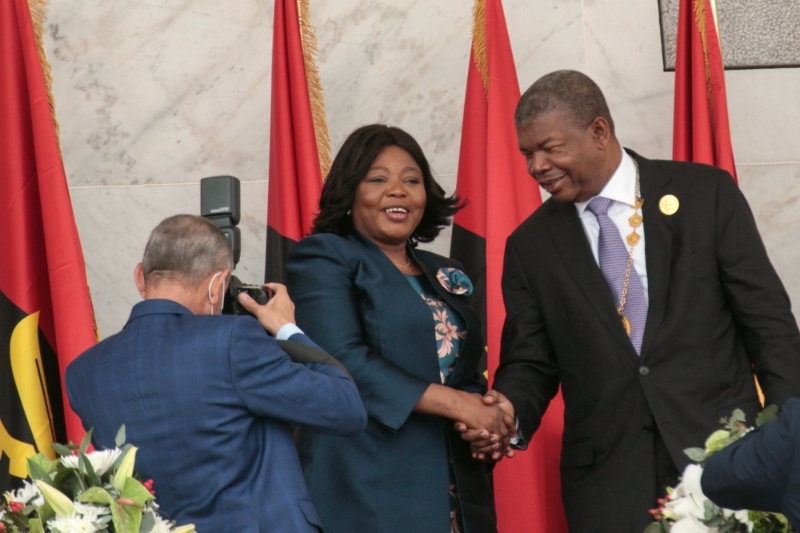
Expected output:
{"points": [[620, 188]]}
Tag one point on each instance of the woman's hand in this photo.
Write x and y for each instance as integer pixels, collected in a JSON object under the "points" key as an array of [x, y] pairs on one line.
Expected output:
{"points": [[486, 446]]}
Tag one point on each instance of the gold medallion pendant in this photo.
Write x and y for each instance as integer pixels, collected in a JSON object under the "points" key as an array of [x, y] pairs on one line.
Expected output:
{"points": [[626, 324]]}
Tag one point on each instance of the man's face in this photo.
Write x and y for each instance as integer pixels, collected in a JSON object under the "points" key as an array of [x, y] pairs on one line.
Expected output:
{"points": [[566, 160]]}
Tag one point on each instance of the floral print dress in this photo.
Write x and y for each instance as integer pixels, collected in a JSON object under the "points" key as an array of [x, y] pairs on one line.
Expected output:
{"points": [[451, 329]]}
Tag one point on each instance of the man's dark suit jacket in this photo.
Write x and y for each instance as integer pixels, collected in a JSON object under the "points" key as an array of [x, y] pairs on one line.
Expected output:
{"points": [[716, 307], [393, 477], [209, 401], [760, 471]]}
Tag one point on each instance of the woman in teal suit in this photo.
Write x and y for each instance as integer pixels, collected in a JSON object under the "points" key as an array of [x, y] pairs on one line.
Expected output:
{"points": [[399, 320]]}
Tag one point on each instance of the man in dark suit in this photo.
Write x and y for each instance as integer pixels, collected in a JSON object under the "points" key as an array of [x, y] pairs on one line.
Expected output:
{"points": [[760, 471], [209, 399], [643, 289]]}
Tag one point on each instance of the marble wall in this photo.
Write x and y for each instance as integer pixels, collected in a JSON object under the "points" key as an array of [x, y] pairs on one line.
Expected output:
{"points": [[156, 94], [758, 34]]}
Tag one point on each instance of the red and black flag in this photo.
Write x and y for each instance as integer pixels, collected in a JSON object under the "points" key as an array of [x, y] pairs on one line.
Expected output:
{"points": [[299, 151], [493, 178], [701, 132], [46, 316]]}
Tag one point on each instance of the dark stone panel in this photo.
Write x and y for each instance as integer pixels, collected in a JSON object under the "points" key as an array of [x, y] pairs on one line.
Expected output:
{"points": [[755, 34]]}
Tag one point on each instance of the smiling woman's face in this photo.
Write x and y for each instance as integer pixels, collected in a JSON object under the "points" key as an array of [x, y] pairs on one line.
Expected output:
{"points": [[390, 200]]}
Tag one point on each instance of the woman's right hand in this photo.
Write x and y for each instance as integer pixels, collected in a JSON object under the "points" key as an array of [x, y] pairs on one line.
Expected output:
{"points": [[489, 419]]}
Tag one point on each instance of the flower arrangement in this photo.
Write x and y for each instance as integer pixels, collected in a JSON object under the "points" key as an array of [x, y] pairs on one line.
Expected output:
{"points": [[686, 509], [82, 492]]}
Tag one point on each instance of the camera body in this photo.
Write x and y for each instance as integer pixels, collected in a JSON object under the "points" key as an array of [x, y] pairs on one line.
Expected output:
{"points": [[220, 203], [231, 305]]}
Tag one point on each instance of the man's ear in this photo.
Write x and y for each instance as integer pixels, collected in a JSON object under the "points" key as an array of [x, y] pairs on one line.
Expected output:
{"points": [[217, 285], [138, 277], [600, 130]]}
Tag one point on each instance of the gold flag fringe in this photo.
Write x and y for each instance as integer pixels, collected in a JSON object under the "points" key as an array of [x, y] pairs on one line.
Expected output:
{"points": [[315, 93], [38, 15], [479, 41], [701, 19]]}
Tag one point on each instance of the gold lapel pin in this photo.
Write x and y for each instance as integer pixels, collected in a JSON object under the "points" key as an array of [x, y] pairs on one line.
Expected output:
{"points": [[669, 204]]}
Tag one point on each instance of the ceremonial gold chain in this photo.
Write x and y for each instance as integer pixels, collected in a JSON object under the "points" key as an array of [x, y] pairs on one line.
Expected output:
{"points": [[633, 239]]}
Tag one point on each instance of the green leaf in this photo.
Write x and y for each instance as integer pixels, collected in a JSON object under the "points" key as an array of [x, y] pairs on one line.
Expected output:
{"points": [[717, 441], [62, 450], [739, 415], [149, 522], [655, 527], [86, 466], [46, 513], [97, 495], [87, 440], [37, 473], [120, 439], [137, 492], [766, 416], [698, 455], [35, 526], [45, 462]]}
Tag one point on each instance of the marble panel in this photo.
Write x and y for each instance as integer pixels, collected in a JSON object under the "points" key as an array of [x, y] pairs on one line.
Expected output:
{"points": [[764, 112], [623, 49], [773, 191], [546, 35], [115, 222], [161, 91], [765, 33]]}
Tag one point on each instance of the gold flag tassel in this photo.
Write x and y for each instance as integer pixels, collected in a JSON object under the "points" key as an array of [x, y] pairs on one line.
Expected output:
{"points": [[479, 42], [700, 18], [315, 93], [38, 15]]}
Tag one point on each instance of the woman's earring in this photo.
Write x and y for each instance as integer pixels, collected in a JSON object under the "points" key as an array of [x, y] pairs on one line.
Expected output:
{"points": [[349, 212]]}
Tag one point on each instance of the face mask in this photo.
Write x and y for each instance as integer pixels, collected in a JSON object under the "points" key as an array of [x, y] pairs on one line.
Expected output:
{"points": [[209, 291]]}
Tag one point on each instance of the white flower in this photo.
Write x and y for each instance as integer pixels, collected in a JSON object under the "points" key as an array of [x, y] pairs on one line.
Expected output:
{"points": [[72, 524], [28, 494], [101, 461], [91, 512], [741, 516], [161, 526], [687, 499], [689, 525]]}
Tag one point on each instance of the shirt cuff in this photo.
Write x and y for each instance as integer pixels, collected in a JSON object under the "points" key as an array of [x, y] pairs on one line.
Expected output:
{"points": [[517, 441], [286, 331]]}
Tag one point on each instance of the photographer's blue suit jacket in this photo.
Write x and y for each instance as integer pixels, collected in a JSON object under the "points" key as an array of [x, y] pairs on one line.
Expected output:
{"points": [[209, 401], [760, 471]]}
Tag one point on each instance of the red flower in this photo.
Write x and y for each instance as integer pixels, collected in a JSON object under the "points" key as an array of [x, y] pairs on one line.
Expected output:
{"points": [[16, 506]]}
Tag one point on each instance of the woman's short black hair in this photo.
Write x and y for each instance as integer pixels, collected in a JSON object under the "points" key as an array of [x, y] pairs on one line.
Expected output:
{"points": [[351, 166]]}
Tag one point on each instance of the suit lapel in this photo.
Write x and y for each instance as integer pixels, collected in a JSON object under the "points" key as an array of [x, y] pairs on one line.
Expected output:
{"points": [[572, 244], [658, 248]]}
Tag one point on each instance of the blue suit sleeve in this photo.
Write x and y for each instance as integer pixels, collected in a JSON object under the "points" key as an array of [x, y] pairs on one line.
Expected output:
{"points": [[327, 309], [753, 472], [270, 384]]}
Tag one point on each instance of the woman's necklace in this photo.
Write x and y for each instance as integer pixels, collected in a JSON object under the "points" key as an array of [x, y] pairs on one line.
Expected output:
{"points": [[406, 265], [633, 239]]}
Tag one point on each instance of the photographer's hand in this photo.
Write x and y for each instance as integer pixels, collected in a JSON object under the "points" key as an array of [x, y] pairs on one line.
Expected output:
{"points": [[276, 313]]}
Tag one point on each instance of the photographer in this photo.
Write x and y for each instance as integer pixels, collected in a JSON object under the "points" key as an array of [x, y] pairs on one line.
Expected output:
{"points": [[209, 399]]}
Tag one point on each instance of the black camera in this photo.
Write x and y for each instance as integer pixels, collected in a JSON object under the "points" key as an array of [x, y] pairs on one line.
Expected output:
{"points": [[231, 305], [220, 203]]}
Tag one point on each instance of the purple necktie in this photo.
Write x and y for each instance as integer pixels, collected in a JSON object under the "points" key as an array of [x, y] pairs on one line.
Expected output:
{"points": [[613, 263]]}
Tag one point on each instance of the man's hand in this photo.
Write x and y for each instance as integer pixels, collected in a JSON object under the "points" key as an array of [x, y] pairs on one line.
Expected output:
{"points": [[276, 313], [488, 446]]}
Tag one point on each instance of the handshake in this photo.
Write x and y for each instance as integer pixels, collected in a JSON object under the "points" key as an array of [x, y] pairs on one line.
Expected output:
{"points": [[488, 424]]}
